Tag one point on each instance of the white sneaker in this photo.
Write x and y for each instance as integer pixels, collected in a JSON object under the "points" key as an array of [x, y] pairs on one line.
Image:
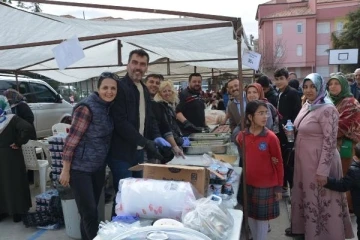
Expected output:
{"points": [[285, 193]]}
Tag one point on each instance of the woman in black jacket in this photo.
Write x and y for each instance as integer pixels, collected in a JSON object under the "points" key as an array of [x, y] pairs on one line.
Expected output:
{"points": [[163, 108], [20, 108]]}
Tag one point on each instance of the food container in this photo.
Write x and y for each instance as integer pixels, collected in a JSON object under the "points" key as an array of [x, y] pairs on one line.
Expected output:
{"points": [[223, 171], [209, 136], [205, 148], [217, 189]]}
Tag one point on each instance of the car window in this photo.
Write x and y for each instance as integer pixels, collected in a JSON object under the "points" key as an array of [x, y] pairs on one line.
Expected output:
{"points": [[4, 85], [43, 93], [23, 89]]}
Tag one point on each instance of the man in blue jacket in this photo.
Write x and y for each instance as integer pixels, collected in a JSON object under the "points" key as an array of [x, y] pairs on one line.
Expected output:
{"points": [[355, 87], [134, 123]]}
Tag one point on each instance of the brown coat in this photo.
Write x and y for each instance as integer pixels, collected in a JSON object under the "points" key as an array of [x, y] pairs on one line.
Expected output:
{"points": [[234, 116]]}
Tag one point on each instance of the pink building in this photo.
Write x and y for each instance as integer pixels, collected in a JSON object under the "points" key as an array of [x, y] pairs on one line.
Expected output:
{"points": [[297, 33]]}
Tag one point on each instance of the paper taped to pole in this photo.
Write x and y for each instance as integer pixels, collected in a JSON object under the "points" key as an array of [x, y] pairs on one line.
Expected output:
{"points": [[251, 59], [68, 53]]}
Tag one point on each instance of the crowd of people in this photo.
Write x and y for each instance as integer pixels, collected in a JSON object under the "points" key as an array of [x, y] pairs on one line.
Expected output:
{"points": [[131, 120]]}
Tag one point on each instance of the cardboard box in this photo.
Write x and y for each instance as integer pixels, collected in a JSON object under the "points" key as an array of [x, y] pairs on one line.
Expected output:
{"points": [[199, 177], [226, 158]]}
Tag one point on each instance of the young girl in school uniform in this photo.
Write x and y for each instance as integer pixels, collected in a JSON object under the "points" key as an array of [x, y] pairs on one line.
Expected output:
{"points": [[264, 169]]}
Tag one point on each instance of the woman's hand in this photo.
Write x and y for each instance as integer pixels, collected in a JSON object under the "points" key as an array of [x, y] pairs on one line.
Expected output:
{"points": [[178, 152], [278, 196], [64, 178], [321, 180]]}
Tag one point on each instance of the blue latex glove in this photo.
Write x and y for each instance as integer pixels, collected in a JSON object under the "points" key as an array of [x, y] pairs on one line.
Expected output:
{"points": [[186, 142], [162, 142]]}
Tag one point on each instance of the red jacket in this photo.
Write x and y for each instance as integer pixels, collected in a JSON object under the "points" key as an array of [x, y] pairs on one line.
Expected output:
{"points": [[260, 170]]}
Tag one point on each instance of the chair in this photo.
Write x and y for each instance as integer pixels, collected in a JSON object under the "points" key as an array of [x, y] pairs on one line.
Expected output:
{"points": [[60, 128], [35, 164]]}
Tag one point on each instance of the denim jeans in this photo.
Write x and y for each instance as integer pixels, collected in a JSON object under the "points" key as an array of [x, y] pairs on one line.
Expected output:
{"points": [[120, 170]]}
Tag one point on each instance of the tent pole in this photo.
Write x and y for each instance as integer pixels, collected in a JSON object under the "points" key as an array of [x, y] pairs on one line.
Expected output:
{"points": [[168, 66], [122, 34], [238, 30], [134, 9], [17, 81], [119, 46]]}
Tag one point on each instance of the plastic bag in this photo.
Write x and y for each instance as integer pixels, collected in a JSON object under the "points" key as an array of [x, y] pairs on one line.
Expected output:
{"points": [[153, 199], [110, 230], [209, 217]]}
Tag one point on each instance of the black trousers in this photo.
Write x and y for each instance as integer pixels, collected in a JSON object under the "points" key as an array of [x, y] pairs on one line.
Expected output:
{"points": [[87, 188], [288, 164]]}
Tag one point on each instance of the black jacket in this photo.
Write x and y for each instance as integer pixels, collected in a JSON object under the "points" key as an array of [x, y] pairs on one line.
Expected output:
{"points": [[350, 182], [289, 106], [272, 96], [166, 119], [125, 112], [24, 111]]}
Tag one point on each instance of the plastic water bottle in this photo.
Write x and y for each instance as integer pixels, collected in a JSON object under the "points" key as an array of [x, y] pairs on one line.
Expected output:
{"points": [[290, 131]]}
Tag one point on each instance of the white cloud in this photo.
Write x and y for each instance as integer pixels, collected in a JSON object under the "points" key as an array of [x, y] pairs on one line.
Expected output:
{"points": [[233, 8]]}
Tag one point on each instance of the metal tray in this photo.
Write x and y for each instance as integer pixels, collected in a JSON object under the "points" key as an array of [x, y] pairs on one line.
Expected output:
{"points": [[209, 136], [201, 149], [209, 142]]}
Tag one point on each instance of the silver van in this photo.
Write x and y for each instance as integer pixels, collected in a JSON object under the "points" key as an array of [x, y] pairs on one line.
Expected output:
{"points": [[47, 105]]}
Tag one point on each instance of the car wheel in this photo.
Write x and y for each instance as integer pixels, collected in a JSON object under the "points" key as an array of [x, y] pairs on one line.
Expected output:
{"points": [[66, 120]]}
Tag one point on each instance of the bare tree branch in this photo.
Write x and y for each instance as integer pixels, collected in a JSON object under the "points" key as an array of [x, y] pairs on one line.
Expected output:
{"points": [[272, 56]]}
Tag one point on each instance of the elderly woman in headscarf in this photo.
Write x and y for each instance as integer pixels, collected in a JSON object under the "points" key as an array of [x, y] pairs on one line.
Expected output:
{"points": [[349, 120], [14, 187], [317, 212], [20, 108]]}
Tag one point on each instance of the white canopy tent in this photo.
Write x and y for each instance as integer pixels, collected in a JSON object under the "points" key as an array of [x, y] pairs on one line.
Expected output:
{"points": [[173, 54]]}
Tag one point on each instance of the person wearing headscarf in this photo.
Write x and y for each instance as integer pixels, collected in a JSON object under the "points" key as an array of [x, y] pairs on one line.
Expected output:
{"points": [[254, 92], [20, 108], [349, 119], [316, 212], [15, 197]]}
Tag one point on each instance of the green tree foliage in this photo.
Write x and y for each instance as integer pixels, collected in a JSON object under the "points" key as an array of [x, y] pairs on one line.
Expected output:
{"points": [[349, 38]]}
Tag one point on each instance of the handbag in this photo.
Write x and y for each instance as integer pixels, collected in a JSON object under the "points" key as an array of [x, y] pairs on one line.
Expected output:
{"points": [[346, 148]]}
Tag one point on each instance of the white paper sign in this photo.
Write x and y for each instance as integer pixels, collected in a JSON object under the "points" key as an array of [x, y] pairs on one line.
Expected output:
{"points": [[68, 53], [251, 59]]}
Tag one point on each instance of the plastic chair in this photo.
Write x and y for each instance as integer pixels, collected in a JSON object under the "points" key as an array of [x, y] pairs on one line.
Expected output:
{"points": [[60, 128], [35, 164]]}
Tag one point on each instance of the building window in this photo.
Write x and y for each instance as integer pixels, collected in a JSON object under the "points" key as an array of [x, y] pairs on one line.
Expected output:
{"points": [[299, 50], [278, 28], [299, 28], [339, 26], [323, 27], [323, 71], [322, 49]]}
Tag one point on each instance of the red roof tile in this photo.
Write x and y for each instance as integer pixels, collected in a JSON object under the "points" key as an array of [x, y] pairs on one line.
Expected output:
{"points": [[293, 11]]}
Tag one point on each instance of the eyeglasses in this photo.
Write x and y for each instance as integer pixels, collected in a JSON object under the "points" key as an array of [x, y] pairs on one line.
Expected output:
{"points": [[109, 75], [262, 113]]}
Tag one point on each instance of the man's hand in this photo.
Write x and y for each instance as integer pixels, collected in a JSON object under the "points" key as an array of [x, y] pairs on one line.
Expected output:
{"points": [[151, 147], [178, 152], [14, 146], [64, 178], [191, 127]]}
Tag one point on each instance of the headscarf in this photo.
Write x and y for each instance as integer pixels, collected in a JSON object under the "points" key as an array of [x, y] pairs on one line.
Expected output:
{"points": [[4, 110], [345, 89], [14, 96], [258, 88], [322, 97]]}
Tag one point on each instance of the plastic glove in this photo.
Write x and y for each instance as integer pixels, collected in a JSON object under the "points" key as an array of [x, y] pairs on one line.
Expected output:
{"points": [[191, 127], [162, 142], [186, 142], [178, 152], [151, 148]]}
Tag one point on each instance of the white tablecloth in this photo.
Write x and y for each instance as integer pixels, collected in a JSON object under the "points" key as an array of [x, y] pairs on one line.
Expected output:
{"points": [[235, 235]]}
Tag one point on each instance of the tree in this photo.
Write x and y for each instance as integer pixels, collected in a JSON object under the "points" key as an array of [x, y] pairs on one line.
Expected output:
{"points": [[348, 38], [272, 58], [34, 7], [7, 1]]}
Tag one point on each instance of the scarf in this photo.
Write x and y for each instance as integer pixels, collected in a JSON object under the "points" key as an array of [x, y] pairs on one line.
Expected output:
{"points": [[322, 97], [259, 89], [345, 89], [14, 97]]}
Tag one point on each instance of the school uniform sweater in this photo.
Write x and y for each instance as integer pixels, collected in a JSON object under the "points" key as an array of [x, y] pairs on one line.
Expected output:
{"points": [[261, 172]]}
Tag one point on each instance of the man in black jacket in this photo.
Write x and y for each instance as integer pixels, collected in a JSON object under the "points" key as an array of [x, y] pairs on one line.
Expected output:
{"points": [[270, 93], [350, 182], [134, 123], [289, 105]]}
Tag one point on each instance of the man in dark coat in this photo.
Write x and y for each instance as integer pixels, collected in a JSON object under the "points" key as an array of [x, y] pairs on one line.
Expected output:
{"points": [[270, 93]]}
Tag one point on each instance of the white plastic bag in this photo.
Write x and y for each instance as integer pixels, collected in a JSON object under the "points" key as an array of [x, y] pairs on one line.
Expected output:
{"points": [[209, 217], [153, 199]]}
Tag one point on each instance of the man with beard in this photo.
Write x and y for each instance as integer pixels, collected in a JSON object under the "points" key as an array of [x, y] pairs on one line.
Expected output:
{"points": [[191, 110], [134, 123], [152, 82]]}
